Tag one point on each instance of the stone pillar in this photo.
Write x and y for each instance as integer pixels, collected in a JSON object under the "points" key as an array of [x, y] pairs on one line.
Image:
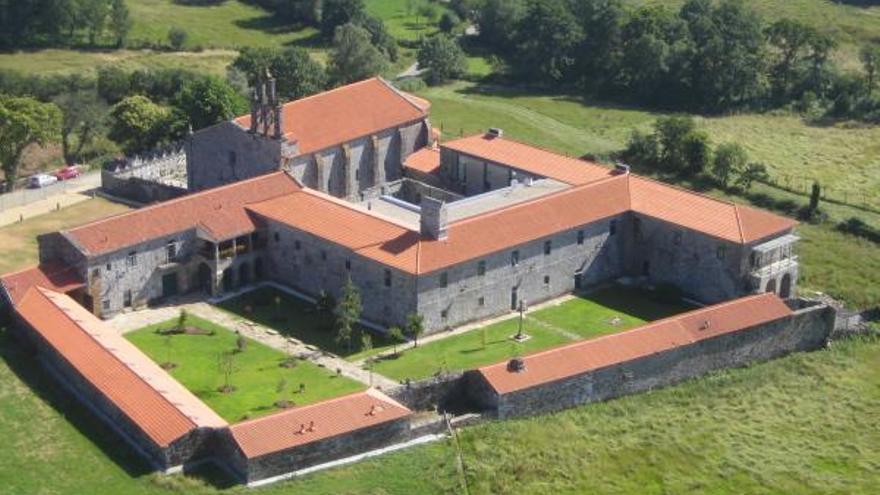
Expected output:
{"points": [[433, 219], [321, 183], [350, 186], [378, 166]]}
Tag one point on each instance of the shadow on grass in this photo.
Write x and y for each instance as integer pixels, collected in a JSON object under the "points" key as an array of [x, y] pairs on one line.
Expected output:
{"points": [[650, 306], [44, 386]]}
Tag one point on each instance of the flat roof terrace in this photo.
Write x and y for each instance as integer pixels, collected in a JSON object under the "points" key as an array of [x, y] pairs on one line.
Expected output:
{"points": [[409, 214]]}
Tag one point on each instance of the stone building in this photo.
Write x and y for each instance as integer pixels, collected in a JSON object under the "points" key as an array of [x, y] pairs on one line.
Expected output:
{"points": [[343, 141]]}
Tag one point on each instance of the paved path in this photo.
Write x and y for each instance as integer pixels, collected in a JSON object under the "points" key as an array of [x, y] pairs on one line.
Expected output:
{"points": [[411, 71], [27, 203], [134, 320]]}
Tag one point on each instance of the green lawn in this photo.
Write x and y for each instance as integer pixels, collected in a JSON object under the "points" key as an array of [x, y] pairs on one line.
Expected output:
{"points": [[296, 318], [257, 377], [803, 424], [598, 313], [403, 22]]}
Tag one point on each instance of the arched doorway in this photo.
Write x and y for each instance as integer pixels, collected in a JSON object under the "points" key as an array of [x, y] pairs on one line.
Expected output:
{"points": [[771, 286], [785, 286], [228, 280], [244, 274]]}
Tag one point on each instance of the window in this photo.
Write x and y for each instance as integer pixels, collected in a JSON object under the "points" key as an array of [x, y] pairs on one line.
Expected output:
{"points": [[580, 237], [132, 259], [387, 278], [109, 267], [637, 228], [444, 314], [676, 238], [171, 250], [233, 158], [348, 264], [297, 245], [546, 279], [277, 237], [548, 247], [105, 304], [612, 227], [481, 301], [514, 258], [323, 255], [357, 174], [721, 252], [481, 268], [126, 300], [444, 279], [754, 259], [96, 273]]}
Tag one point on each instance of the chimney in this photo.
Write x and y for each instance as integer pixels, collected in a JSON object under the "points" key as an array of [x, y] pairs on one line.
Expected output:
{"points": [[279, 125], [270, 90], [255, 106], [495, 132], [433, 218]]}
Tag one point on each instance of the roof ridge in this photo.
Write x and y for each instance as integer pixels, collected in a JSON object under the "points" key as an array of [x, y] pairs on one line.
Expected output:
{"points": [[186, 197], [739, 225], [293, 410], [353, 207], [535, 146], [43, 292], [686, 190], [400, 93], [570, 190]]}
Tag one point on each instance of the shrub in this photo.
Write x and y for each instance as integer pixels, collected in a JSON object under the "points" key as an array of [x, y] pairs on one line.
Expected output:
{"points": [[177, 38]]}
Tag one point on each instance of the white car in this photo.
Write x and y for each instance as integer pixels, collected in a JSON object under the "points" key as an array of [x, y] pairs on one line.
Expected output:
{"points": [[41, 180]]}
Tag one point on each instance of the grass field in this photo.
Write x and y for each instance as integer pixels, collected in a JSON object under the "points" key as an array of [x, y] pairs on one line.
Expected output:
{"points": [[600, 313], [257, 376], [803, 424], [294, 317], [18, 242]]}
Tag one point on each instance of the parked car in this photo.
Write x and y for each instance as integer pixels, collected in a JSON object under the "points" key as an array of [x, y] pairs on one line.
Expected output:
{"points": [[41, 180], [68, 172]]}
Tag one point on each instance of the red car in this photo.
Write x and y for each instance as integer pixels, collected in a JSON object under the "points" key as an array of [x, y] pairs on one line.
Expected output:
{"points": [[68, 172]]}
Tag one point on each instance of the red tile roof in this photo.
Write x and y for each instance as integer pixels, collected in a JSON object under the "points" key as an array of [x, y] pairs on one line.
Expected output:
{"points": [[218, 212], [721, 219], [662, 335], [425, 160], [529, 158], [346, 113], [53, 275], [152, 400], [307, 424]]}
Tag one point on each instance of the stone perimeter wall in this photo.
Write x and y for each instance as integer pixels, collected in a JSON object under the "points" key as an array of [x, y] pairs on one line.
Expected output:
{"points": [[147, 178], [806, 330]]}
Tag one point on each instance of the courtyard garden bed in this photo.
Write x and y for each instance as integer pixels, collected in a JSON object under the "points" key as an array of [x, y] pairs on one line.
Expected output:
{"points": [[599, 313], [259, 383]]}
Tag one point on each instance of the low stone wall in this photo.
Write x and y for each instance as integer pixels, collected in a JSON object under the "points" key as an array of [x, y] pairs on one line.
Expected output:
{"points": [[156, 176], [427, 394], [807, 329]]}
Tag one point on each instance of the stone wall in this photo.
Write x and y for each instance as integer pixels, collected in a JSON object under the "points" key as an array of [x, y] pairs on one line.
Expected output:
{"points": [[310, 265], [808, 329], [311, 454], [470, 175], [425, 395], [469, 296], [156, 176]]}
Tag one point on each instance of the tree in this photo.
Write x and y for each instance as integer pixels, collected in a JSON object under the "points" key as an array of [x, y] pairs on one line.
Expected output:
{"points": [[642, 149], [348, 312], [672, 134], [82, 115], [730, 160], [791, 40], [181, 320], [397, 337], [94, 16], [546, 40], [336, 13], [379, 36], [208, 101], [137, 124], [443, 57], [227, 366], [296, 73], [697, 152], [120, 21], [752, 173], [114, 84], [448, 21], [870, 57], [353, 56], [815, 196], [367, 346], [415, 327], [23, 122], [498, 20], [177, 38]]}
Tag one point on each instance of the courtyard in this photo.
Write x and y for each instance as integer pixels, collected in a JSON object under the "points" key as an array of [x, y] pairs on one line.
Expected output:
{"points": [[261, 379]]}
